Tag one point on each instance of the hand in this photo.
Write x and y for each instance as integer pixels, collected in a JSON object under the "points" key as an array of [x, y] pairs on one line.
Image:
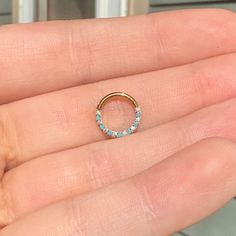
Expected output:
{"points": [[61, 176]]}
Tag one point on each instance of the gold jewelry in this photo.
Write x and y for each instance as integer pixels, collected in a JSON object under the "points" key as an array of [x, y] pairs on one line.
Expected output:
{"points": [[118, 134]]}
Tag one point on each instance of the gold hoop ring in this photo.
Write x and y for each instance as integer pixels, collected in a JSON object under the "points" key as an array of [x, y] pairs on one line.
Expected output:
{"points": [[112, 133]]}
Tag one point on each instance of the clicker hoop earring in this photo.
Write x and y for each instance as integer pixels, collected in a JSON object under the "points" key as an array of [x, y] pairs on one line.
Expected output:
{"points": [[112, 133]]}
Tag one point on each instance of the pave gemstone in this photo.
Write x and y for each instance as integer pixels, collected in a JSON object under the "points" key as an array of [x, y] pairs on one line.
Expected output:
{"points": [[132, 128], [135, 124], [101, 126], [110, 133], [125, 133], [138, 114], [129, 131], [118, 134], [98, 117]]}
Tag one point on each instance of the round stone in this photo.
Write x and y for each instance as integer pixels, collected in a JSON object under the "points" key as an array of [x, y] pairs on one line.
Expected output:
{"points": [[138, 114], [98, 117], [129, 131], [101, 126], [135, 124], [120, 134], [110, 133]]}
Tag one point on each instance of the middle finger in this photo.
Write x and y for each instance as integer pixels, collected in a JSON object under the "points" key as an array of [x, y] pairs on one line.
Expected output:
{"points": [[66, 119]]}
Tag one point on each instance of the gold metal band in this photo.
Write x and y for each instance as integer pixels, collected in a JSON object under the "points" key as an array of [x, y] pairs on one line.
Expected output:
{"points": [[117, 94]]}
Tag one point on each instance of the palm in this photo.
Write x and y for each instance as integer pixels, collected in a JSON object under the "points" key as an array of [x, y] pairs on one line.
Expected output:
{"points": [[181, 68]]}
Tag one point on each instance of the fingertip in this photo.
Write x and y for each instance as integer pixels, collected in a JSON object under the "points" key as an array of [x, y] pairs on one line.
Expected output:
{"points": [[193, 182]]}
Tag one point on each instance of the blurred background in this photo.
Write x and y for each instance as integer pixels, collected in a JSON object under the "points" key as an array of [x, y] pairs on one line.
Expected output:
{"points": [[222, 223], [19, 11]]}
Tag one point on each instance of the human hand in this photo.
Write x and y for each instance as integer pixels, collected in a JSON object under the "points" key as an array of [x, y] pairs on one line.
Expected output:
{"points": [[61, 176]]}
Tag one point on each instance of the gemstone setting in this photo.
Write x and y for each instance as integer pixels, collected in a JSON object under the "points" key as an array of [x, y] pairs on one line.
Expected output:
{"points": [[119, 134]]}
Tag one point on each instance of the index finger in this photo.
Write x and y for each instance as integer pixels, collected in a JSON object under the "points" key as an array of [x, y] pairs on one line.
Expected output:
{"points": [[43, 57]]}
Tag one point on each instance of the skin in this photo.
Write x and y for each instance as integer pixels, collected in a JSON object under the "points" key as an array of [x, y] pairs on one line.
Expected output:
{"points": [[61, 176]]}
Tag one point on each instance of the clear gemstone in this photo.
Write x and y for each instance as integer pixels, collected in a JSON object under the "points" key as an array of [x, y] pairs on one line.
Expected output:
{"points": [[133, 128]]}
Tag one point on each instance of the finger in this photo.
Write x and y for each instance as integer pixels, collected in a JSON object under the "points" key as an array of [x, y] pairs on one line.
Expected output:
{"points": [[56, 55], [196, 182], [61, 120], [61, 175]]}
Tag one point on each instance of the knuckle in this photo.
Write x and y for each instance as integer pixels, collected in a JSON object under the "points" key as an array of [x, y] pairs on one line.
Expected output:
{"points": [[78, 40], [101, 168], [72, 222], [160, 44], [202, 83], [76, 223]]}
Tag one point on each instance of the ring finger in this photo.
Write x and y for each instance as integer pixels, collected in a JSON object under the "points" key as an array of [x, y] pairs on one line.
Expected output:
{"points": [[62, 175], [197, 180]]}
